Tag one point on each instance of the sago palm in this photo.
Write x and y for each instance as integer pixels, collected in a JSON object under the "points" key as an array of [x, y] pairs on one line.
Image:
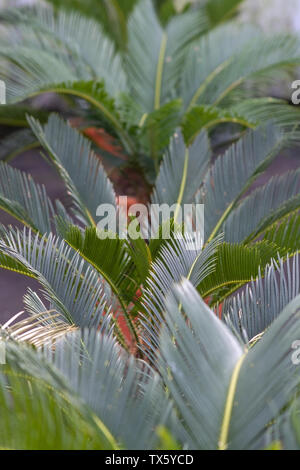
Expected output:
{"points": [[176, 368], [207, 357], [190, 72]]}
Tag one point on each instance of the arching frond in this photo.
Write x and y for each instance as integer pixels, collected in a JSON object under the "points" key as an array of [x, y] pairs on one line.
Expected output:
{"points": [[76, 45], [38, 409], [180, 258], [156, 56], [79, 167], [212, 388], [125, 394], [258, 57], [182, 172], [236, 265], [100, 252], [285, 234], [261, 110], [72, 288], [24, 199], [38, 329], [206, 59], [254, 309], [280, 196], [233, 172], [247, 113], [204, 117]]}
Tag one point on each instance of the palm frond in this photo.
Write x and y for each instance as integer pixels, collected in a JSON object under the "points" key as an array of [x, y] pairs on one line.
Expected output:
{"points": [[100, 252], [219, 11], [124, 393], [254, 309], [156, 55], [286, 234], [158, 128], [182, 172], [79, 167], [212, 387], [71, 287], [236, 265], [24, 199], [259, 57], [180, 258], [12, 265], [204, 117], [38, 329], [112, 15], [209, 56], [39, 410], [75, 44], [263, 207], [233, 172], [265, 109]]}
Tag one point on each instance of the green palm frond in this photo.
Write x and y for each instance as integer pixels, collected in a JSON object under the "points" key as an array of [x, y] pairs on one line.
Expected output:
{"points": [[155, 55], [12, 265], [228, 56], [158, 128], [39, 410], [246, 114], [181, 258], [78, 165], [254, 309], [139, 251], [267, 204], [204, 117], [220, 408], [236, 265], [233, 172], [71, 287], [124, 393], [219, 11], [265, 109], [206, 59], [100, 252], [259, 57], [285, 234], [24, 199], [182, 172], [112, 14], [63, 39]]}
